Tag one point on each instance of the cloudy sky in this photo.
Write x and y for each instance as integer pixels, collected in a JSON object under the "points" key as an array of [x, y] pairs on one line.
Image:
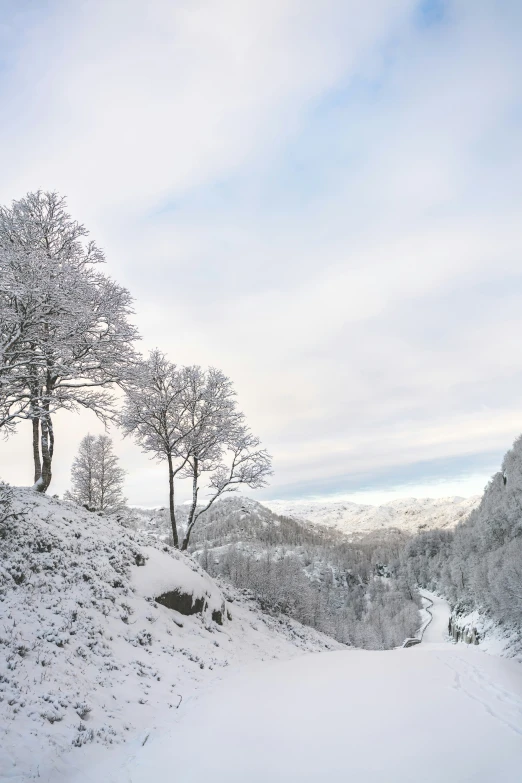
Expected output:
{"points": [[321, 197]]}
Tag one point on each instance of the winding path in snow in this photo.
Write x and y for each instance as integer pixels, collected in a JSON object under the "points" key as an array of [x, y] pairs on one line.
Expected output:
{"points": [[435, 631]]}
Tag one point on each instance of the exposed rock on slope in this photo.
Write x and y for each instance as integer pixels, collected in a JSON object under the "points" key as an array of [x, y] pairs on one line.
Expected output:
{"points": [[176, 586]]}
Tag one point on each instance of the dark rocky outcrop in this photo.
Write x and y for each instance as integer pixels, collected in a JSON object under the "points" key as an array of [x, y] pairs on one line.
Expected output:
{"points": [[187, 604], [184, 603]]}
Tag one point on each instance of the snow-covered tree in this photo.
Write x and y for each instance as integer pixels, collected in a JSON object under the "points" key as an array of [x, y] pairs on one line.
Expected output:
{"points": [[83, 470], [236, 459], [96, 477], [218, 444], [188, 417], [154, 414], [65, 335]]}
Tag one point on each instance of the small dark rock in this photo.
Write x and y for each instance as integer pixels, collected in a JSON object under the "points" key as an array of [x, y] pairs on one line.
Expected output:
{"points": [[217, 616]]}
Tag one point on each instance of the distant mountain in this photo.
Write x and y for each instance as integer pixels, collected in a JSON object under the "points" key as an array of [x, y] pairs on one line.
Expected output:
{"points": [[410, 515]]}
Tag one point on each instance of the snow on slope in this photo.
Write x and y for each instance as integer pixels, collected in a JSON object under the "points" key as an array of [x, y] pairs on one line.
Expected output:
{"points": [[87, 657], [430, 713], [409, 515]]}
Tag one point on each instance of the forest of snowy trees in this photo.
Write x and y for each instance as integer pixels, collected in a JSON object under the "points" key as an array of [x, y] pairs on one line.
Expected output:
{"points": [[313, 574]]}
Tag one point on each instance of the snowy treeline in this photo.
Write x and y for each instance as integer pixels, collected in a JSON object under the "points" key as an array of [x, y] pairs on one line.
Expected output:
{"points": [[311, 573], [479, 564]]}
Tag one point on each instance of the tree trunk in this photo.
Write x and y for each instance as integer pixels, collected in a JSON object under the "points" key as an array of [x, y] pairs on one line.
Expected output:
{"points": [[171, 503], [36, 450], [47, 439], [33, 385], [190, 521], [102, 477]]}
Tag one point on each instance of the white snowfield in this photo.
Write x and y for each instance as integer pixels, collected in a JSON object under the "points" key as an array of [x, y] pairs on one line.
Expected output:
{"points": [[409, 515], [435, 713], [407, 715]]}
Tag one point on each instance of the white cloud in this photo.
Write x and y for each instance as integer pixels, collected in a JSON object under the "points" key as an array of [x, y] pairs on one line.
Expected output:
{"points": [[136, 104], [321, 198]]}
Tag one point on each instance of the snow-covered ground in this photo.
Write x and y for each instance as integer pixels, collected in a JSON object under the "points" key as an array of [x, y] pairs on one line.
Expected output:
{"points": [[88, 659], [435, 712], [409, 515], [449, 714]]}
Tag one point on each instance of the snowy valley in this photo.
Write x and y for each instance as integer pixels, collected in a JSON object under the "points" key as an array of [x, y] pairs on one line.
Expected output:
{"points": [[313, 573]]}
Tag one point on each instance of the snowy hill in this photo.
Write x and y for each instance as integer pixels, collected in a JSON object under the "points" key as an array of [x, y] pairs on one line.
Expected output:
{"points": [[90, 652], [410, 515]]}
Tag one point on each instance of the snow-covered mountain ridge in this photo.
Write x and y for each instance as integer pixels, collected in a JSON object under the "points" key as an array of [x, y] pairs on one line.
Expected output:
{"points": [[87, 655], [410, 515]]}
